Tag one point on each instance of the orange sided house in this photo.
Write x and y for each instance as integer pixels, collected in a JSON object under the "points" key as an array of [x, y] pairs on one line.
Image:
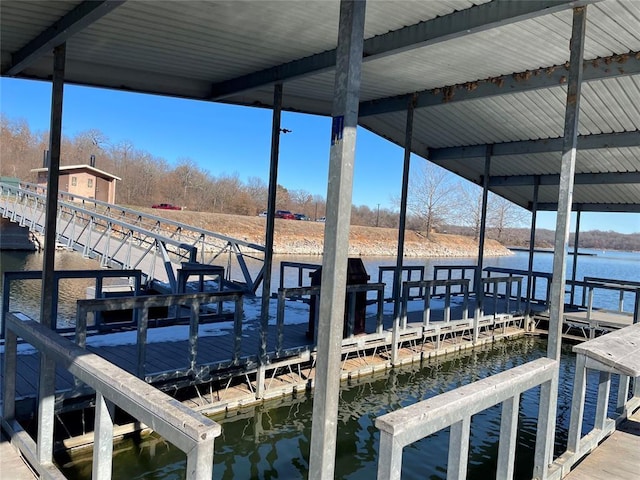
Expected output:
{"points": [[84, 181]]}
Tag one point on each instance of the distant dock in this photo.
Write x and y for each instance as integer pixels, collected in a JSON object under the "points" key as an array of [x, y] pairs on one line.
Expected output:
{"points": [[544, 250]]}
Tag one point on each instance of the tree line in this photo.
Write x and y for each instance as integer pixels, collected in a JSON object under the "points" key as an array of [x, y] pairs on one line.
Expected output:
{"points": [[437, 201]]}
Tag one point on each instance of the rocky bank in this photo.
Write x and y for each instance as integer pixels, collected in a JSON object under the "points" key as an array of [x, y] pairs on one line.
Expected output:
{"points": [[306, 238]]}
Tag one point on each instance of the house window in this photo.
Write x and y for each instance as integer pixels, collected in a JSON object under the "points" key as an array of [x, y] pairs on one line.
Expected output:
{"points": [[74, 181], [90, 182]]}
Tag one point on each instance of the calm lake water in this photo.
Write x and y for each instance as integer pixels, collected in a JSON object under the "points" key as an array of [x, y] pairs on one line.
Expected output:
{"points": [[272, 441], [25, 295]]}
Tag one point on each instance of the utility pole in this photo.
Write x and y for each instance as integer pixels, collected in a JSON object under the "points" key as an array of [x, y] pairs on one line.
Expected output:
{"points": [[378, 216]]}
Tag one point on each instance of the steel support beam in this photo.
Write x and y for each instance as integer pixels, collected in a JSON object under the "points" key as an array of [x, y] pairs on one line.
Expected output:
{"points": [[336, 239], [532, 246], [576, 241], [611, 178], [477, 281], [73, 22], [268, 241], [397, 274], [585, 142], [548, 397], [51, 207], [546, 77], [594, 207], [447, 27]]}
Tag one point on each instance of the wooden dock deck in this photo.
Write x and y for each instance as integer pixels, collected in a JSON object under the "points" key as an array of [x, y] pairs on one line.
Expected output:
{"points": [[12, 465], [231, 384], [617, 458]]}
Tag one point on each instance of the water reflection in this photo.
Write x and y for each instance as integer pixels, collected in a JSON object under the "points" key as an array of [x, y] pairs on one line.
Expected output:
{"points": [[272, 441]]}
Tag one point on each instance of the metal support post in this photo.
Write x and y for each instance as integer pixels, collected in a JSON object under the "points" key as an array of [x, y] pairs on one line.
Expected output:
{"points": [[576, 241], [103, 439], [549, 396], [336, 239], [532, 244], [51, 208], [268, 242], [46, 408], [397, 274], [477, 281]]}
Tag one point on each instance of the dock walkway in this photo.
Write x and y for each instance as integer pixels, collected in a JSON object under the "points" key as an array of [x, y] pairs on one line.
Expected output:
{"points": [[228, 363], [617, 458], [12, 465]]}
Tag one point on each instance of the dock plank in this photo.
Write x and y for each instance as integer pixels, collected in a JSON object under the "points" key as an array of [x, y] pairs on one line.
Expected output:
{"points": [[617, 458]]}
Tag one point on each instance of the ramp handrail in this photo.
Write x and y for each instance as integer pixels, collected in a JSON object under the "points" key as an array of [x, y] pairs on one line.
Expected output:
{"points": [[191, 432], [89, 218], [455, 409]]}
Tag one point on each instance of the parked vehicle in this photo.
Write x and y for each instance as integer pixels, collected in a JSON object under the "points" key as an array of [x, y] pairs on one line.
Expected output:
{"points": [[263, 214], [285, 214], [321, 219], [301, 216], [166, 206]]}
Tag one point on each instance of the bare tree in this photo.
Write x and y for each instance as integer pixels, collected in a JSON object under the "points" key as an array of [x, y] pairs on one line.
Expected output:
{"points": [[432, 193], [504, 214], [470, 214]]}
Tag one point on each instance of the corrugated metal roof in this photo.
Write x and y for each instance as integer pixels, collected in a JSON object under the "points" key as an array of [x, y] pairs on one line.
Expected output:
{"points": [[516, 62]]}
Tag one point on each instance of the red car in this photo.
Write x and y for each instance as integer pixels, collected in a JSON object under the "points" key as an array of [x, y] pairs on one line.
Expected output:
{"points": [[166, 206], [285, 214]]}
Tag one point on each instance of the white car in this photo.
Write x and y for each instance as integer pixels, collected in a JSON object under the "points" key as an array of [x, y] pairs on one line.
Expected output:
{"points": [[263, 214], [321, 219]]}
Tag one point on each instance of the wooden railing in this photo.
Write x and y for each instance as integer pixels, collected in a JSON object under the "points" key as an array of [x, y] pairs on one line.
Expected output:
{"points": [[616, 353], [191, 432]]}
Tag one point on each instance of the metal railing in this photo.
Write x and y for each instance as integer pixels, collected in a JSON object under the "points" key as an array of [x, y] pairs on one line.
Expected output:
{"points": [[351, 292], [301, 269], [427, 287], [454, 409], [589, 286], [134, 279], [534, 278], [408, 272], [454, 272], [126, 238], [502, 288], [141, 305], [191, 432]]}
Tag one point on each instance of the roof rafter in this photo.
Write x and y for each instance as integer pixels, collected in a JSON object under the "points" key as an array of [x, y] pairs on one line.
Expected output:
{"points": [[546, 77], [457, 24], [73, 22], [610, 178], [593, 207], [585, 142]]}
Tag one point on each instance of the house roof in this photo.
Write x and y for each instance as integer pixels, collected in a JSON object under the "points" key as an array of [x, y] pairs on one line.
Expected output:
{"points": [[484, 75], [68, 169]]}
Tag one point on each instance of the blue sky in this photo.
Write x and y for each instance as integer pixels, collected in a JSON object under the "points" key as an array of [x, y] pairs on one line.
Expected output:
{"points": [[225, 139]]}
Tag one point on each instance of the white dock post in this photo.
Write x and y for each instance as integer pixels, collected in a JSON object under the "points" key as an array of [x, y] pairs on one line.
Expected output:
{"points": [[336, 236], [549, 392]]}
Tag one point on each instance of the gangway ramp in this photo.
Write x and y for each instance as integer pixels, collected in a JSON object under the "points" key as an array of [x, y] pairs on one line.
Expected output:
{"points": [[125, 238]]}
